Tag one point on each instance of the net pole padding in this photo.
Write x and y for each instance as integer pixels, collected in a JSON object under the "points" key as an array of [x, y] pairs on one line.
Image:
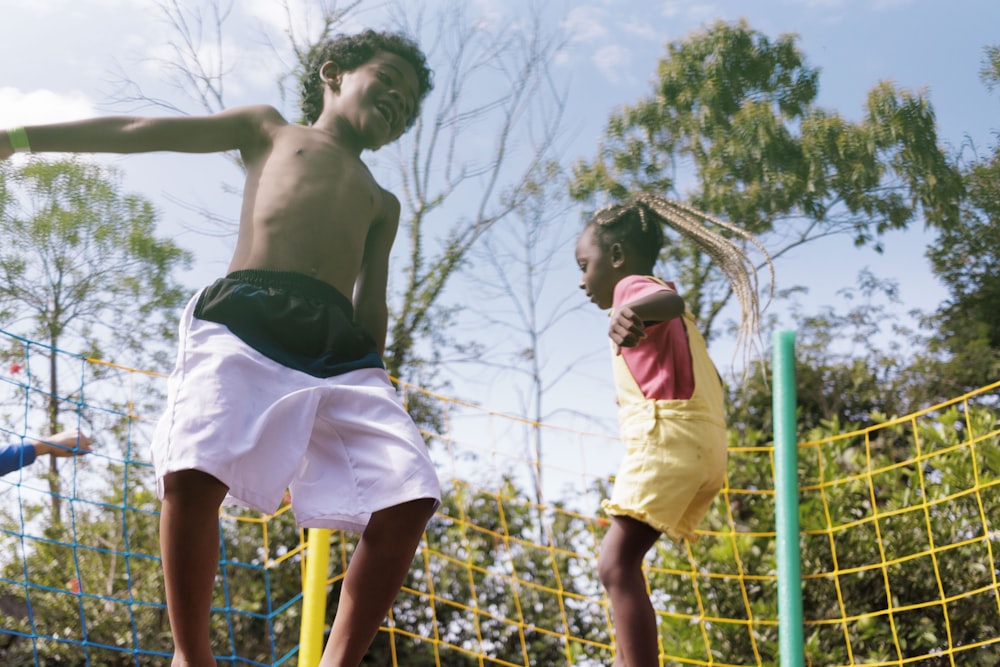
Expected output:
{"points": [[786, 487], [314, 597]]}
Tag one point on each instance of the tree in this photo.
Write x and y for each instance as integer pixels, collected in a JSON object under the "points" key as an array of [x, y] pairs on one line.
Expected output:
{"points": [[732, 127], [966, 258], [82, 269], [897, 491], [467, 165], [853, 360], [513, 267]]}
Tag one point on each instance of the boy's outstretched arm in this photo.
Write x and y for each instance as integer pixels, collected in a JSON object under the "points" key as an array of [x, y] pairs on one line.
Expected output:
{"points": [[233, 129]]}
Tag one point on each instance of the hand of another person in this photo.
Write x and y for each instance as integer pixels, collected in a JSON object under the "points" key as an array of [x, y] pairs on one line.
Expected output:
{"points": [[65, 443]]}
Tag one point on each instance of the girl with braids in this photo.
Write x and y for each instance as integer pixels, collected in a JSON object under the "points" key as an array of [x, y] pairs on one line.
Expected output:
{"points": [[669, 393]]}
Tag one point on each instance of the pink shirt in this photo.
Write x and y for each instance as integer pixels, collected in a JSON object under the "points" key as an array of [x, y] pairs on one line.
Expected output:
{"points": [[661, 362]]}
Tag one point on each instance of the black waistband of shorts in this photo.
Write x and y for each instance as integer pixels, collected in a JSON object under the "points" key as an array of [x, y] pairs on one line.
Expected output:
{"points": [[296, 283]]}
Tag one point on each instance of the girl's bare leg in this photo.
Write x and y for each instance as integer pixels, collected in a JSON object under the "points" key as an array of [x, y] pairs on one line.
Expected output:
{"points": [[375, 574], [620, 570], [189, 544]]}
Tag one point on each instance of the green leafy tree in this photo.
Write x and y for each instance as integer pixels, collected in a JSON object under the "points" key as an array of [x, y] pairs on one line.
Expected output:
{"points": [[873, 507], [82, 269], [493, 579], [966, 258], [854, 359], [733, 128]]}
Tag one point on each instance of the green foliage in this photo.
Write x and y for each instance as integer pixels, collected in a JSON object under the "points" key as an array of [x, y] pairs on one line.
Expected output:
{"points": [[990, 71], [844, 375], [498, 574], [94, 579], [81, 265], [81, 268], [967, 260], [96, 588], [896, 515]]}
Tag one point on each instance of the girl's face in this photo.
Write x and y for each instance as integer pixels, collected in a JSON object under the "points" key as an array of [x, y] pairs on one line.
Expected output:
{"points": [[602, 268]]}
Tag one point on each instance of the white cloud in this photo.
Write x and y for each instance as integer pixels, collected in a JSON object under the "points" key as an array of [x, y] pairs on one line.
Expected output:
{"points": [[241, 56], [889, 5], [37, 107], [825, 4], [492, 11], [701, 13], [642, 29], [612, 61], [586, 23], [686, 9]]}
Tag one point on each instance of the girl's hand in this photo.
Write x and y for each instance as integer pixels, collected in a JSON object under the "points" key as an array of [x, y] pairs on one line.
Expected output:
{"points": [[626, 329]]}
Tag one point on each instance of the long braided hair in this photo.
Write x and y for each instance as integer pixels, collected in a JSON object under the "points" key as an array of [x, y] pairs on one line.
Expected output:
{"points": [[638, 224]]}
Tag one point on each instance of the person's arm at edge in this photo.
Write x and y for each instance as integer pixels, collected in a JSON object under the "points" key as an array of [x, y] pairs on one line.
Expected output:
{"points": [[15, 456], [232, 129], [64, 443], [370, 309]]}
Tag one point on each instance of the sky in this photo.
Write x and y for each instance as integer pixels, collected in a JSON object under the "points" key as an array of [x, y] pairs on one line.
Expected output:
{"points": [[58, 60]]}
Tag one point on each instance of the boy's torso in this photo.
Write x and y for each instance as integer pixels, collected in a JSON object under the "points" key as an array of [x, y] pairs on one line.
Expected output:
{"points": [[308, 207]]}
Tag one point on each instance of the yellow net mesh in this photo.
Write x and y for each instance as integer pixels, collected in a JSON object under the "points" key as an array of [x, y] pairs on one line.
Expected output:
{"points": [[897, 545]]}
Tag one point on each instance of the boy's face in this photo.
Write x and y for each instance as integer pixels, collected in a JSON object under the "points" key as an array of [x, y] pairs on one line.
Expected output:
{"points": [[601, 267], [379, 98]]}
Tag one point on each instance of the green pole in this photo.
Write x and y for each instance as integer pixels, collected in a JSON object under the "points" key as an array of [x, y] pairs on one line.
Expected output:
{"points": [[786, 488]]}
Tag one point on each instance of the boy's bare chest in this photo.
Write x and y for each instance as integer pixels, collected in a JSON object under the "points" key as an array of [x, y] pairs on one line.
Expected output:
{"points": [[320, 184]]}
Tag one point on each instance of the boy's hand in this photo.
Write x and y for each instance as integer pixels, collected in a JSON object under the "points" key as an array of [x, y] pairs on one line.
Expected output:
{"points": [[626, 329]]}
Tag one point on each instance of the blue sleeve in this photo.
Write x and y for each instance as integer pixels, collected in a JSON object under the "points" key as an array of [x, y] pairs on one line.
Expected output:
{"points": [[13, 457]]}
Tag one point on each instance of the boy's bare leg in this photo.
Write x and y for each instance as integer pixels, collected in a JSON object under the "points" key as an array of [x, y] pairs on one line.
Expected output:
{"points": [[619, 568], [376, 573], [189, 544]]}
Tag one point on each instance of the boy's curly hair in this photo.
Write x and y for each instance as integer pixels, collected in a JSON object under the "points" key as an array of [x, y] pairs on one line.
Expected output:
{"points": [[350, 52]]}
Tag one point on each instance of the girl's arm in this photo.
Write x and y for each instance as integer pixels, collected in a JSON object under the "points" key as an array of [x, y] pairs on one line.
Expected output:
{"points": [[239, 128], [628, 325]]}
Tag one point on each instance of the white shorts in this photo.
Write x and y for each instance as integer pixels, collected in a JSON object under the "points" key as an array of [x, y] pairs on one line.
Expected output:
{"points": [[344, 445]]}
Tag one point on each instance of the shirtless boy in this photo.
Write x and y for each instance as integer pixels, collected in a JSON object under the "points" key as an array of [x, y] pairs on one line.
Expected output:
{"points": [[279, 381]]}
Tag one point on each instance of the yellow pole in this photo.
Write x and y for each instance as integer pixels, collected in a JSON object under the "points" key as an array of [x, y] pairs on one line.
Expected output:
{"points": [[314, 597]]}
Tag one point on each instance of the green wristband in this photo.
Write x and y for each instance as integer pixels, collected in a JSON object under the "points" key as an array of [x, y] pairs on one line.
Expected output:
{"points": [[19, 140]]}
